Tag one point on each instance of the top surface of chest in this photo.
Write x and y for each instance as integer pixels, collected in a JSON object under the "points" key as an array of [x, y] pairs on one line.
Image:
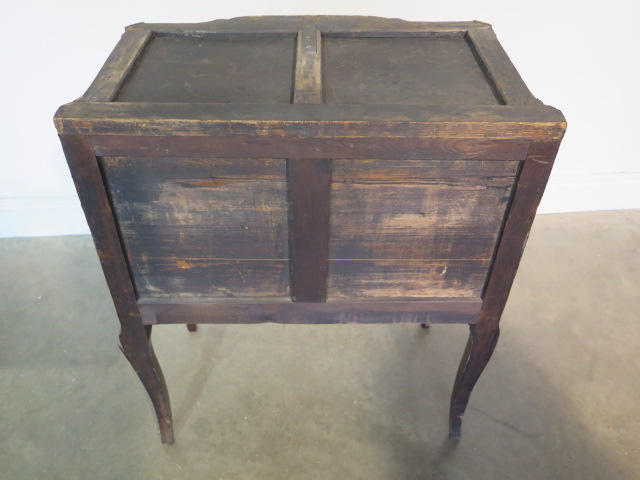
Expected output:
{"points": [[260, 67]]}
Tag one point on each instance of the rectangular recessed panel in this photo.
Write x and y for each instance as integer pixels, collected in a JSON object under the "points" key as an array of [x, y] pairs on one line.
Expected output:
{"points": [[202, 227], [403, 70], [415, 228], [181, 68]]}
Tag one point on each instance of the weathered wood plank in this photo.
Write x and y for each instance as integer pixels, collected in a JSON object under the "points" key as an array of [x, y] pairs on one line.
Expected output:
{"points": [[309, 200], [189, 278], [496, 65], [406, 279], [356, 148], [203, 226], [311, 121], [114, 72], [415, 228], [431, 311]]}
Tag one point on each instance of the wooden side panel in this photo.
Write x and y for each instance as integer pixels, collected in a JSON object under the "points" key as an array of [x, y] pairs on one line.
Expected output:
{"points": [[202, 227], [240, 69], [414, 71], [415, 228]]}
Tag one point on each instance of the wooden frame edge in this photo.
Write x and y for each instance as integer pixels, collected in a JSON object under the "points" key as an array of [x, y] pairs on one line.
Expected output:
{"points": [[114, 72]]}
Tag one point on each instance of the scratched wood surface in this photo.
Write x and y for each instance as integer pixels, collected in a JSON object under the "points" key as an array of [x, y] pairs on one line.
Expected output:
{"points": [[182, 68], [203, 227], [413, 71], [415, 228]]}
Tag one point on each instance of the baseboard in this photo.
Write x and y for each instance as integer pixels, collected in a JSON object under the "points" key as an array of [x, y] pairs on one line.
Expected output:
{"points": [[584, 193], [41, 217], [48, 216]]}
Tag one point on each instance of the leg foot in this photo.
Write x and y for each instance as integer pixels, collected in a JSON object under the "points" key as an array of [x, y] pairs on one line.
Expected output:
{"points": [[483, 337], [425, 325], [139, 351], [192, 327]]}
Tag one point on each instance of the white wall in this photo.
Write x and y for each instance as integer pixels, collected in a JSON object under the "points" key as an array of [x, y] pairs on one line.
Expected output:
{"points": [[582, 60]]}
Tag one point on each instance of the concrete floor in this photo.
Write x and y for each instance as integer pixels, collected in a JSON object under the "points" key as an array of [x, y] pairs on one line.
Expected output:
{"points": [[559, 399]]}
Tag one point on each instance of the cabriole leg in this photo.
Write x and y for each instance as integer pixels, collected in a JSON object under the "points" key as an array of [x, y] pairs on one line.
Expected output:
{"points": [[482, 341], [139, 351]]}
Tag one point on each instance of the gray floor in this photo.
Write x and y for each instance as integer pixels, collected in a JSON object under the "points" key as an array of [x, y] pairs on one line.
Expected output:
{"points": [[559, 399]]}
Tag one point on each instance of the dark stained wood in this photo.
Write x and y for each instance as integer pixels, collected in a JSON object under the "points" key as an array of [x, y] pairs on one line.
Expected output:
{"points": [[406, 278], [480, 122], [529, 189], [235, 69], [459, 310], [106, 85], [309, 198], [202, 226], [396, 70], [143, 359], [135, 338], [415, 228], [484, 335], [298, 148], [406, 197], [496, 65]]}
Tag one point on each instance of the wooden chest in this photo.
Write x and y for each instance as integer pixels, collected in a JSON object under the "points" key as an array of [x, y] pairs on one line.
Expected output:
{"points": [[309, 170]]}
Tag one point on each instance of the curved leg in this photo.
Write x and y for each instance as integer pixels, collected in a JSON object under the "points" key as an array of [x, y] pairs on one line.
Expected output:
{"points": [[139, 351], [483, 337], [192, 327]]}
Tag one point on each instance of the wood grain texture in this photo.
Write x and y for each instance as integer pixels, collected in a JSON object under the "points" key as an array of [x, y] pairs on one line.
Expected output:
{"points": [[309, 200], [415, 228], [354, 148], [202, 227], [506, 80], [236, 69], [311, 121], [397, 70], [114, 72], [390, 311]]}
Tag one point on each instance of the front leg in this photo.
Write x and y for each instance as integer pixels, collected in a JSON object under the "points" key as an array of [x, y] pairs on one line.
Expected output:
{"points": [[483, 337], [139, 351]]}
